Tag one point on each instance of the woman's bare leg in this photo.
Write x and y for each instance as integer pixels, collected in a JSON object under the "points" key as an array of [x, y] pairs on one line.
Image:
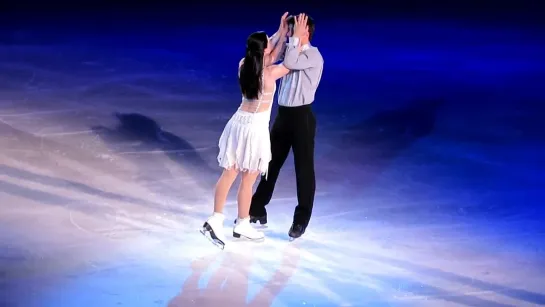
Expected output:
{"points": [[213, 227], [242, 227], [244, 196], [222, 189]]}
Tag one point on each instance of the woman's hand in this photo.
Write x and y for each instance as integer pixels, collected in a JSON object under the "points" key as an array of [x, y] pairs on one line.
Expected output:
{"points": [[283, 28]]}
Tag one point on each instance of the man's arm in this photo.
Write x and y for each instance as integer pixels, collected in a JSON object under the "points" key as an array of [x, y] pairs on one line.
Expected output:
{"points": [[294, 59]]}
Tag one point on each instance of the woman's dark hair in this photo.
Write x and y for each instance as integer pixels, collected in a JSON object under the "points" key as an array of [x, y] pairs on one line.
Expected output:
{"points": [[251, 71]]}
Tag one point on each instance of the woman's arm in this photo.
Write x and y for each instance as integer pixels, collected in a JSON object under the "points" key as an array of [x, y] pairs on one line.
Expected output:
{"points": [[274, 38], [277, 71], [277, 51], [278, 41]]}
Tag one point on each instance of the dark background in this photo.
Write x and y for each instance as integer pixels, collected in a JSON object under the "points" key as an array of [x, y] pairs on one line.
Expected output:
{"points": [[240, 12]]}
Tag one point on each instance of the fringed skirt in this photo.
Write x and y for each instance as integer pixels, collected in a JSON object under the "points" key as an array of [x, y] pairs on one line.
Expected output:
{"points": [[245, 143]]}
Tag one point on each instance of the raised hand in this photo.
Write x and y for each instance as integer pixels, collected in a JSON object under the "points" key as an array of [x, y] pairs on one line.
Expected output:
{"points": [[300, 28], [283, 28]]}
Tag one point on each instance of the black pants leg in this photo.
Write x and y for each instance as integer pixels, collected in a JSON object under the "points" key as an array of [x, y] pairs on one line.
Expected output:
{"points": [[281, 143], [304, 131]]}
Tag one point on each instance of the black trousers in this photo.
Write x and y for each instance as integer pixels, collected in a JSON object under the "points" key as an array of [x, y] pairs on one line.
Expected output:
{"points": [[293, 128]]}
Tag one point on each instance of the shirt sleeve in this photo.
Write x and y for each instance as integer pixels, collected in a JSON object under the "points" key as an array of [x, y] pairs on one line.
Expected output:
{"points": [[296, 60]]}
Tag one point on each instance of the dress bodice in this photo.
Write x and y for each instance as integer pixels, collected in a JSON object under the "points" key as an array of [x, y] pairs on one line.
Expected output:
{"points": [[264, 102]]}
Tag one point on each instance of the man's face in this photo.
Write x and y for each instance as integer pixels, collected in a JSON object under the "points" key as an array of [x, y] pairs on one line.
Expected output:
{"points": [[290, 31]]}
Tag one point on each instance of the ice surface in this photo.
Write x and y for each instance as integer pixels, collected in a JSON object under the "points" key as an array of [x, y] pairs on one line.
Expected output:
{"points": [[107, 168]]}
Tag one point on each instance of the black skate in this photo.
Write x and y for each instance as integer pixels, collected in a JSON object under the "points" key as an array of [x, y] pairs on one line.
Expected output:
{"points": [[296, 231], [209, 233]]}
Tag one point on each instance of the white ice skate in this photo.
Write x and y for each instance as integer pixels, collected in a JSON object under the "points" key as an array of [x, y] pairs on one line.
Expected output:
{"points": [[243, 229], [213, 230]]}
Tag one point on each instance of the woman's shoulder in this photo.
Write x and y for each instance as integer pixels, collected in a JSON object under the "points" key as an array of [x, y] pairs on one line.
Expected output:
{"points": [[269, 68]]}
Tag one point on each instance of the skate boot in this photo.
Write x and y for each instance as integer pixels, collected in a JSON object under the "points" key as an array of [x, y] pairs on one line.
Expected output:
{"points": [[213, 229], [243, 229], [296, 231]]}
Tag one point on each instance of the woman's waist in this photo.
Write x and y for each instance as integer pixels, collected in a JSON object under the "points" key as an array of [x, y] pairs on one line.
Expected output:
{"points": [[251, 117], [253, 113], [255, 106]]}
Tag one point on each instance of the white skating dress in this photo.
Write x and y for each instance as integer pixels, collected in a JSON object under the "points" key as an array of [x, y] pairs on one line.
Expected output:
{"points": [[245, 143]]}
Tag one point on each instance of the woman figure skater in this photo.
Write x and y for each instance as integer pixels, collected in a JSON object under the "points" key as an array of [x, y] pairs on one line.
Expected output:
{"points": [[245, 146]]}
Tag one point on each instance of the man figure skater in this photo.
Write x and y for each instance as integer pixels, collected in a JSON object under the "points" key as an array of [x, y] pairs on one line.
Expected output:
{"points": [[294, 126]]}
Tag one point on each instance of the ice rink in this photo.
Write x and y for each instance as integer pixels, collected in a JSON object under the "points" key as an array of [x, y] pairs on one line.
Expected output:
{"points": [[429, 158]]}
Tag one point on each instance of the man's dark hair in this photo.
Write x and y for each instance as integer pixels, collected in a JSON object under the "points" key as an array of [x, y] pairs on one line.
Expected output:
{"points": [[310, 23]]}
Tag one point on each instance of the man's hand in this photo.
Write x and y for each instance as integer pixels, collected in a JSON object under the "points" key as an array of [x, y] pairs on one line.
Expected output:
{"points": [[283, 28], [300, 28]]}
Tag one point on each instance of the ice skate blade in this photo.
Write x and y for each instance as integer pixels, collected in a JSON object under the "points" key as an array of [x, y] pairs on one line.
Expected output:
{"points": [[217, 243], [291, 239], [245, 238], [209, 234]]}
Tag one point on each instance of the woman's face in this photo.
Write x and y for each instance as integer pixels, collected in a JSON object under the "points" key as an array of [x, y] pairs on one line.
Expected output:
{"points": [[269, 47]]}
